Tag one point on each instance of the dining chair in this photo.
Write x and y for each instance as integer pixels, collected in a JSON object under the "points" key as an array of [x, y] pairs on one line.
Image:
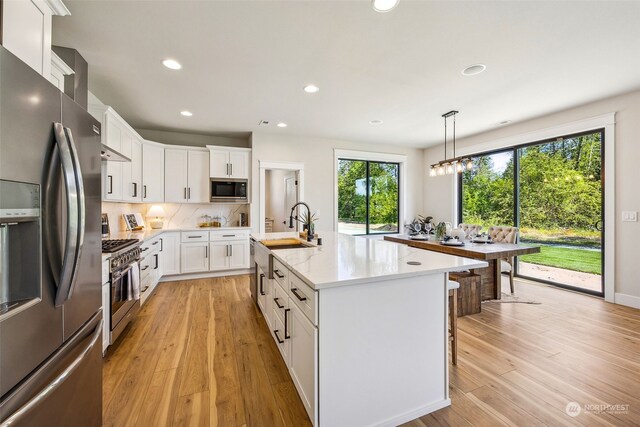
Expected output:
{"points": [[469, 228], [452, 287], [505, 234]]}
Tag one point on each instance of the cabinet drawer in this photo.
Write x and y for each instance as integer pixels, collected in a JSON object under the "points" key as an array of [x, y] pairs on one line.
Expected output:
{"points": [[280, 300], [228, 235], [282, 340], [150, 245], [304, 297], [105, 271], [146, 266], [194, 236], [280, 273]]}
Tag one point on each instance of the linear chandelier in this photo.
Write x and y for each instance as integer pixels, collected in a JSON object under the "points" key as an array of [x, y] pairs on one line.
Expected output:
{"points": [[457, 164]]}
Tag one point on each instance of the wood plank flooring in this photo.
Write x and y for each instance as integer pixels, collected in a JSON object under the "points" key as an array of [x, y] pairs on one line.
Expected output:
{"points": [[199, 354]]}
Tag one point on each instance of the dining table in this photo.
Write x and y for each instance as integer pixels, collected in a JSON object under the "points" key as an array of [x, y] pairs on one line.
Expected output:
{"points": [[491, 252]]}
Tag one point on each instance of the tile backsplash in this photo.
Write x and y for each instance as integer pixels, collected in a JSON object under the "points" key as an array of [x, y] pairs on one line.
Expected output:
{"points": [[177, 215]]}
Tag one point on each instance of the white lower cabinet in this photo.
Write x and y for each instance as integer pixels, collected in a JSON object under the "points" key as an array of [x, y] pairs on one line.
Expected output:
{"points": [[303, 356], [295, 333], [229, 255], [170, 246], [194, 257], [219, 256]]}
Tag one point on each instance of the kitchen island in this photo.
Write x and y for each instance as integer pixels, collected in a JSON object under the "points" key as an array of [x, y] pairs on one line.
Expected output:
{"points": [[361, 325]]}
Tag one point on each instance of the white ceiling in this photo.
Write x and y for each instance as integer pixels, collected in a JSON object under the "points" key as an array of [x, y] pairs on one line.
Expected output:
{"points": [[244, 61]]}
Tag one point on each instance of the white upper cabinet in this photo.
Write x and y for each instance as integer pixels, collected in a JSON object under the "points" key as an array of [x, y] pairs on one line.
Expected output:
{"points": [[185, 176], [229, 162], [132, 171], [197, 177], [26, 31], [152, 172]]}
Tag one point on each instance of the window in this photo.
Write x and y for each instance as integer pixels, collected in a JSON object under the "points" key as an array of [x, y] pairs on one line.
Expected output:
{"points": [[368, 197]]}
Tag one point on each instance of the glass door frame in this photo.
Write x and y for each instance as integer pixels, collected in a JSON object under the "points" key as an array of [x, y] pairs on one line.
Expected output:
{"points": [[516, 203]]}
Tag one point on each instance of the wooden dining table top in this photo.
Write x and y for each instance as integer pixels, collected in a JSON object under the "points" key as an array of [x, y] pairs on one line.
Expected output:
{"points": [[483, 251]]}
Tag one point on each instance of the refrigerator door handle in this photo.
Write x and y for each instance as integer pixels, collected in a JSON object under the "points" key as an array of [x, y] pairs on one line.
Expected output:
{"points": [[81, 210], [57, 382]]}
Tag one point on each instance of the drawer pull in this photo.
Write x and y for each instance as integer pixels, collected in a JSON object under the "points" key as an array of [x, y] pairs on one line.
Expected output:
{"points": [[194, 237], [295, 292], [278, 337], [145, 249], [145, 289], [286, 329], [277, 303], [144, 268], [155, 243], [262, 284], [228, 235], [277, 273]]}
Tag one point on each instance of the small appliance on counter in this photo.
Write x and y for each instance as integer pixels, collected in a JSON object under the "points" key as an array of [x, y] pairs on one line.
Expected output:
{"points": [[242, 222], [105, 226]]}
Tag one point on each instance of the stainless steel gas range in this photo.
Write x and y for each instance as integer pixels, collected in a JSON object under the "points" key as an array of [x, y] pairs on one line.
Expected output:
{"points": [[124, 277]]}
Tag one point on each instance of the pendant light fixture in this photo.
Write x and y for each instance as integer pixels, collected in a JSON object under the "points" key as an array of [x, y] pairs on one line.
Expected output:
{"points": [[454, 164]]}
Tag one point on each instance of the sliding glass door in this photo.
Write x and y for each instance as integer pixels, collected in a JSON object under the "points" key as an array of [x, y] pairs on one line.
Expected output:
{"points": [[553, 191]]}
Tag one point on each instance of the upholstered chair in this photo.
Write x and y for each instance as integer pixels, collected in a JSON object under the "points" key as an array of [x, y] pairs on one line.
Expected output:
{"points": [[503, 234], [469, 228]]}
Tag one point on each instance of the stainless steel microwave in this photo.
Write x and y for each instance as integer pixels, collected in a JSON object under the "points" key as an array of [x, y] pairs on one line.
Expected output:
{"points": [[228, 190]]}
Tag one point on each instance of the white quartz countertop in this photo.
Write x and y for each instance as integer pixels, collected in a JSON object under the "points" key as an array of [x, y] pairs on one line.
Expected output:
{"points": [[348, 260]]}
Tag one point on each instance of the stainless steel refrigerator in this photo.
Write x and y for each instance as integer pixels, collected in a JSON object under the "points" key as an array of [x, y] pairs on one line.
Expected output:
{"points": [[50, 254]]}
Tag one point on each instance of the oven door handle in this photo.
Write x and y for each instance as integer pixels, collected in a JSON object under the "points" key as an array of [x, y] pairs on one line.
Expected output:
{"points": [[119, 274]]}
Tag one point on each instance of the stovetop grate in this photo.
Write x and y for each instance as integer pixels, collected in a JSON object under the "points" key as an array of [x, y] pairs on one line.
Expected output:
{"points": [[114, 245]]}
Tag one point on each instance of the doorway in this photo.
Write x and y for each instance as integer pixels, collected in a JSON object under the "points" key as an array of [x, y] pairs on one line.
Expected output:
{"points": [[281, 187]]}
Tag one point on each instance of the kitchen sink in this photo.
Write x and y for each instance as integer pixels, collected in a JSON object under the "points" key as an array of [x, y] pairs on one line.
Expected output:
{"points": [[285, 244]]}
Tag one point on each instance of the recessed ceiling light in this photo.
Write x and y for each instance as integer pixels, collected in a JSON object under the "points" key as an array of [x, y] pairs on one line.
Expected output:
{"points": [[375, 122], [172, 64], [282, 125], [186, 113], [311, 88], [384, 5], [472, 70]]}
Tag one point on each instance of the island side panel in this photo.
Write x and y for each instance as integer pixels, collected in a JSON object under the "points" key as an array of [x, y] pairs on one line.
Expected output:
{"points": [[383, 351]]}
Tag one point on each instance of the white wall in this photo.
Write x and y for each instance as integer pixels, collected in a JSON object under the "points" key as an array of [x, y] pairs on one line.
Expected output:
{"points": [[191, 139], [317, 156], [437, 200], [275, 197]]}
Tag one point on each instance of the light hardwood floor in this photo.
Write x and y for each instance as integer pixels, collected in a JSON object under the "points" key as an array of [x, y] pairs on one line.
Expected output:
{"points": [[199, 353]]}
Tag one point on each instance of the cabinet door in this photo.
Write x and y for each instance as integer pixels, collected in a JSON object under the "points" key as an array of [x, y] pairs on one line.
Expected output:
{"points": [[262, 293], [239, 254], [198, 177], [303, 357], [239, 164], [219, 256], [152, 173], [219, 163], [283, 343], [106, 308], [170, 247], [160, 266], [127, 167], [113, 177], [194, 257], [26, 32], [175, 176], [136, 168]]}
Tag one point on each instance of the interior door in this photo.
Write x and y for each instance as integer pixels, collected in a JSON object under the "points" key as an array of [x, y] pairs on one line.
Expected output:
{"points": [[290, 197]]}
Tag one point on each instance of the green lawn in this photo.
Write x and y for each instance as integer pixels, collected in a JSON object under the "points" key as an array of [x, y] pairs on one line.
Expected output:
{"points": [[568, 258]]}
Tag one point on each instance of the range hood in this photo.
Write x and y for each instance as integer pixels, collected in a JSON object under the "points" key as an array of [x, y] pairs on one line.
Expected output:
{"points": [[108, 153]]}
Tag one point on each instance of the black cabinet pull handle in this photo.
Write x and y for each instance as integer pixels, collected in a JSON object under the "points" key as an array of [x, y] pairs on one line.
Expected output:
{"points": [[161, 244], [286, 328], [144, 191], [189, 193], [295, 292], [135, 189], [278, 337], [145, 267], [144, 249], [277, 273], [185, 192], [155, 243], [156, 267], [145, 289], [261, 284], [194, 237], [277, 303], [110, 177]]}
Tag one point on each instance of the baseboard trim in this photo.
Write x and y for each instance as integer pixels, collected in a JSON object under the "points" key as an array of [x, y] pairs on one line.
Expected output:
{"points": [[628, 300], [206, 275], [416, 413]]}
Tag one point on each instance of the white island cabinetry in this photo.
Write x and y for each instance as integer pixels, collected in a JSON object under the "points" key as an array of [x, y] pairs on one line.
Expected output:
{"points": [[354, 311]]}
